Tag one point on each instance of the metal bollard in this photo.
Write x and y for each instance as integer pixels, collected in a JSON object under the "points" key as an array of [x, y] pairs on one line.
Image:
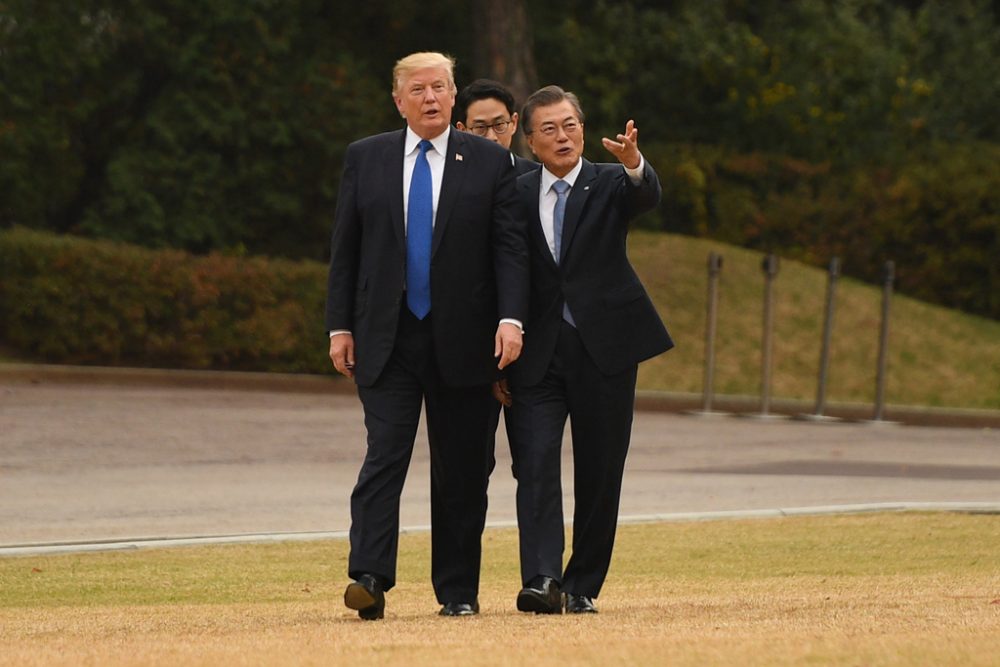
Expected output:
{"points": [[888, 278], [770, 268], [714, 268], [824, 354]]}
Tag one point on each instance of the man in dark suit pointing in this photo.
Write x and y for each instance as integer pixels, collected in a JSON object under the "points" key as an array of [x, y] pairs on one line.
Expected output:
{"points": [[426, 296], [590, 324]]}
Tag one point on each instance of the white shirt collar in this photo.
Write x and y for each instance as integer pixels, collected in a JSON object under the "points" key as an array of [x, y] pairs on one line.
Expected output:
{"points": [[440, 142], [548, 178]]}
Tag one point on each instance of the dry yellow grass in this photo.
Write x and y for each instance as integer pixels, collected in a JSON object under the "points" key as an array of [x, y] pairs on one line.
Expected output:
{"points": [[915, 589]]}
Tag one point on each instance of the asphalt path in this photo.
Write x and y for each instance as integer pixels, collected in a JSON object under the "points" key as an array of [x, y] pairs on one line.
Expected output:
{"points": [[82, 463]]}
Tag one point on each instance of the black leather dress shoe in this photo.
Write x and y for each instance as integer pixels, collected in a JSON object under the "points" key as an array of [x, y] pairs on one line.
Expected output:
{"points": [[541, 596], [579, 604], [367, 596], [460, 609]]}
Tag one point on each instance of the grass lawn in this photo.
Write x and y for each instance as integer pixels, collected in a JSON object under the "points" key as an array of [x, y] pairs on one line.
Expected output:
{"points": [[890, 589]]}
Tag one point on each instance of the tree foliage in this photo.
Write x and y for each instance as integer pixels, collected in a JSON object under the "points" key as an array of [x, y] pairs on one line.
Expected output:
{"points": [[841, 80], [219, 125], [200, 124]]}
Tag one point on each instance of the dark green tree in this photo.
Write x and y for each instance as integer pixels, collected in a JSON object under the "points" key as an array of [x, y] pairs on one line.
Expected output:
{"points": [[220, 125], [200, 124]]}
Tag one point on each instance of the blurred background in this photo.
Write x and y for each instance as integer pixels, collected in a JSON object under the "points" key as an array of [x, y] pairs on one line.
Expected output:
{"points": [[862, 129]]}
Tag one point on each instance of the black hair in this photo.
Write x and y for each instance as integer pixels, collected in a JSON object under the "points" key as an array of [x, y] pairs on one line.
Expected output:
{"points": [[481, 89]]}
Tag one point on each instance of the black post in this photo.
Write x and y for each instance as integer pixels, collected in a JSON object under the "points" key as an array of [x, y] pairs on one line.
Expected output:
{"points": [[714, 268], [770, 267], [888, 278], [824, 355]]}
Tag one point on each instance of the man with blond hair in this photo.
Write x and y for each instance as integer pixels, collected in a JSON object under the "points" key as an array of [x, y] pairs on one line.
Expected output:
{"points": [[428, 287]]}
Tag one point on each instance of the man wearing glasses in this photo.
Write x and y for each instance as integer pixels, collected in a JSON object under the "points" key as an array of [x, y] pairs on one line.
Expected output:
{"points": [[590, 323], [486, 108]]}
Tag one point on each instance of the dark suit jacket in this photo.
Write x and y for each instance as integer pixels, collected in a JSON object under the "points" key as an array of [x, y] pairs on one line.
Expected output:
{"points": [[523, 165], [616, 320], [478, 244]]}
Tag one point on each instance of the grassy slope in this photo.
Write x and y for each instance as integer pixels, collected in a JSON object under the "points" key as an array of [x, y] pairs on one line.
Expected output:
{"points": [[937, 356]]}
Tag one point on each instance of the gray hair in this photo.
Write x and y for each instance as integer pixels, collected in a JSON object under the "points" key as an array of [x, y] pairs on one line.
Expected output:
{"points": [[544, 97]]}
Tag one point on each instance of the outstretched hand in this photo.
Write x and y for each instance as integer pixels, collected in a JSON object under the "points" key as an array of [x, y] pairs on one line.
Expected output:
{"points": [[626, 148]]}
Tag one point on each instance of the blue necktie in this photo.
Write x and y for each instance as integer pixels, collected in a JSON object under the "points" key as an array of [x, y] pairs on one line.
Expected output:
{"points": [[558, 214], [419, 228]]}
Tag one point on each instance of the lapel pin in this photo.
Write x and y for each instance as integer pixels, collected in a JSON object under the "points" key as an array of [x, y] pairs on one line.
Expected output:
{"points": [[458, 156], [586, 187]]}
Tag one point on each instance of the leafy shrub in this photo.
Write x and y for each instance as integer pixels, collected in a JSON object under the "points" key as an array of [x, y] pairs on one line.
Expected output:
{"points": [[69, 300]]}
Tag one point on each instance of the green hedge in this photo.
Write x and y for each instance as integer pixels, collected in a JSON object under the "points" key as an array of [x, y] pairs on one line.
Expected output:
{"points": [[75, 301]]}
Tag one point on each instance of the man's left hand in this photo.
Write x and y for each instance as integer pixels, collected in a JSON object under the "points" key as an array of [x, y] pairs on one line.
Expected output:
{"points": [[626, 149], [501, 392], [508, 344]]}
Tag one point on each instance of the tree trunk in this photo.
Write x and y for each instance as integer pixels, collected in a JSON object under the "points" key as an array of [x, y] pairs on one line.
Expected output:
{"points": [[505, 50]]}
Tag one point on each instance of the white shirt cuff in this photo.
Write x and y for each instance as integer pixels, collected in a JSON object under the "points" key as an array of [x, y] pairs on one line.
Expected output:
{"points": [[636, 174], [516, 323]]}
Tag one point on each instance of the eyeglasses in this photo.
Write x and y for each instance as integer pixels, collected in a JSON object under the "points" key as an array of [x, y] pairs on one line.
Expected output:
{"points": [[499, 127], [570, 127]]}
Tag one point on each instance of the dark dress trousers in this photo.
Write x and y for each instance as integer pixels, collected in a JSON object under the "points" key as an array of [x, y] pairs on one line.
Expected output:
{"points": [[479, 274], [586, 372], [521, 166]]}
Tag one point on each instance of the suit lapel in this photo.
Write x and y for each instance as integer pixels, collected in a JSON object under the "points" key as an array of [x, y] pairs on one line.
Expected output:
{"points": [[392, 176], [574, 206], [528, 192], [451, 183]]}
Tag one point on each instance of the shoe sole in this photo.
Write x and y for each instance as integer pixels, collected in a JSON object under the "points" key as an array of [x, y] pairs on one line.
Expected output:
{"points": [[357, 597], [537, 604]]}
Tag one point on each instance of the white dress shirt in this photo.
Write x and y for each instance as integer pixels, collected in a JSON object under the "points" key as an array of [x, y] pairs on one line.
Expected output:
{"points": [[547, 196], [435, 159]]}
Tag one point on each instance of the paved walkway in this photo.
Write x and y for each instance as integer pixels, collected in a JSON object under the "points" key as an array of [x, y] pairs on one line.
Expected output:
{"points": [[85, 462]]}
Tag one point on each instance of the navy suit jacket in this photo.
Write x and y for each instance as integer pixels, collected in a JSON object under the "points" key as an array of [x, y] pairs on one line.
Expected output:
{"points": [[479, 262], [616, 319], [523, 165]]}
